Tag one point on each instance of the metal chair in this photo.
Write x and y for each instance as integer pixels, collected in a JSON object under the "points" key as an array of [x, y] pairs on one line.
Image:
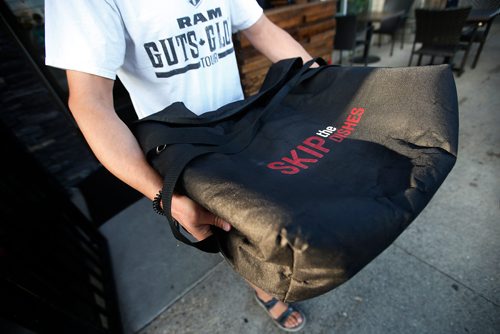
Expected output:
{"points": [[346, 35], [393, 25], [477, 31], [438, 31], [389, 27]]}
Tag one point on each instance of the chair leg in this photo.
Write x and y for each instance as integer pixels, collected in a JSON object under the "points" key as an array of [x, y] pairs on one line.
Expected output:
{"points": [[464, 60], [483, 40], [340, 57], [478, 53], [419, 59], [393, 41], [411, 54], [465, 57], [403, 36], [432, 60]]}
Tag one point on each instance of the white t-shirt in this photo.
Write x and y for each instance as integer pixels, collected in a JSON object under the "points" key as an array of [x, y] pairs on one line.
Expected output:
{"points": [[162, 51]]}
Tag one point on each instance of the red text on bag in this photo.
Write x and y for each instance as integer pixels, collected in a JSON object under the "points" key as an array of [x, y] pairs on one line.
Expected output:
{"points": [[312, 149]]}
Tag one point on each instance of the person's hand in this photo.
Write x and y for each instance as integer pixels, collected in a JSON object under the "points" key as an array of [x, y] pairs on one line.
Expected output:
{"points": [[196, 219]]}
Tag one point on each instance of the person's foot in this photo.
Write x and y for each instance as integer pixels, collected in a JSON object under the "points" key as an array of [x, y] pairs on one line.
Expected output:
{"points": [[284, 315]]}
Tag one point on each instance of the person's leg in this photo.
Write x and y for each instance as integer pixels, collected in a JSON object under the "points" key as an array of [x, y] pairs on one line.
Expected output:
{"points": [[295, 319]]}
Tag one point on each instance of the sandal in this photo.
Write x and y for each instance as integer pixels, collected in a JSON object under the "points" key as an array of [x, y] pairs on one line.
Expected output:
{"points": [[280, 321]]}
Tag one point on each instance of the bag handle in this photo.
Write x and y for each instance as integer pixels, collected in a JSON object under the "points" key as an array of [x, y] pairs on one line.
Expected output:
{"points": [[236, 142], [153, 133]]}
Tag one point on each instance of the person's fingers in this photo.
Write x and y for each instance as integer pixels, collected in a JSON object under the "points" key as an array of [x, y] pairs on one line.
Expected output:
{"points": [[221, 223], [201, 233], [201, 229], [195, 219]]}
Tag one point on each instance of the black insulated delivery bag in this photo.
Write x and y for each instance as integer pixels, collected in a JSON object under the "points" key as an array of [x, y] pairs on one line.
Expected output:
{"points": [[318, 173]]}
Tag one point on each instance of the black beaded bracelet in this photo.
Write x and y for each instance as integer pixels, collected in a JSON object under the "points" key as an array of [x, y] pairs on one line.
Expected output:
{"points": [[157, 204]]}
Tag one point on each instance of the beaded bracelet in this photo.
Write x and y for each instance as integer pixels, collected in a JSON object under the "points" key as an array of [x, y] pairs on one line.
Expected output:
{"points": [[157, 204]]}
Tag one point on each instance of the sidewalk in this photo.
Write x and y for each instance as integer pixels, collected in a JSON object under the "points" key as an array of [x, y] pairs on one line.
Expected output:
{"points": [[442, 275]]}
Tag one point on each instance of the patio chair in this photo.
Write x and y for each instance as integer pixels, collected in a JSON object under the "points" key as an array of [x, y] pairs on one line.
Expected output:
{"points": [[438, 31], [389, 27], [348, 35], [483, 4], [477, 31], [396, 24]]}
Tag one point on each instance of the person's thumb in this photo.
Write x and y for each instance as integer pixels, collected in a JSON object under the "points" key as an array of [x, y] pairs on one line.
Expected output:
{"points": [[221, 223]]}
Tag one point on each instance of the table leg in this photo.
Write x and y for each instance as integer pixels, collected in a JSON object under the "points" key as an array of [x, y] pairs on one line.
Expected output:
{"points": [[367, 58]]}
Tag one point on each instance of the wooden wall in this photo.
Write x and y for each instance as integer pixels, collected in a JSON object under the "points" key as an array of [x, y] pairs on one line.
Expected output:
{"points": [[311, 24]]}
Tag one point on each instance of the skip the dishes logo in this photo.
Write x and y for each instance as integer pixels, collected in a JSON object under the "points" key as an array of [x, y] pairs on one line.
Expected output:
{"points": [[312, 149]]}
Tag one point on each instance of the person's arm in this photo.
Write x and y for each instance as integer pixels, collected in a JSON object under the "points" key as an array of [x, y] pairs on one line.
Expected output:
{"points": [[114, 145], [273, 42]]}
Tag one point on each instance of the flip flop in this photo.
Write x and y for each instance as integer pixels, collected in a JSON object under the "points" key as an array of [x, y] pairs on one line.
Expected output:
{"points": [[280, 321]]}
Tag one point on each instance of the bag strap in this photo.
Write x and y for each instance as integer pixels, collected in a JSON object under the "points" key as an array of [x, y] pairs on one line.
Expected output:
{"points": [[234, 143], [153, 133], [280, 71]]}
